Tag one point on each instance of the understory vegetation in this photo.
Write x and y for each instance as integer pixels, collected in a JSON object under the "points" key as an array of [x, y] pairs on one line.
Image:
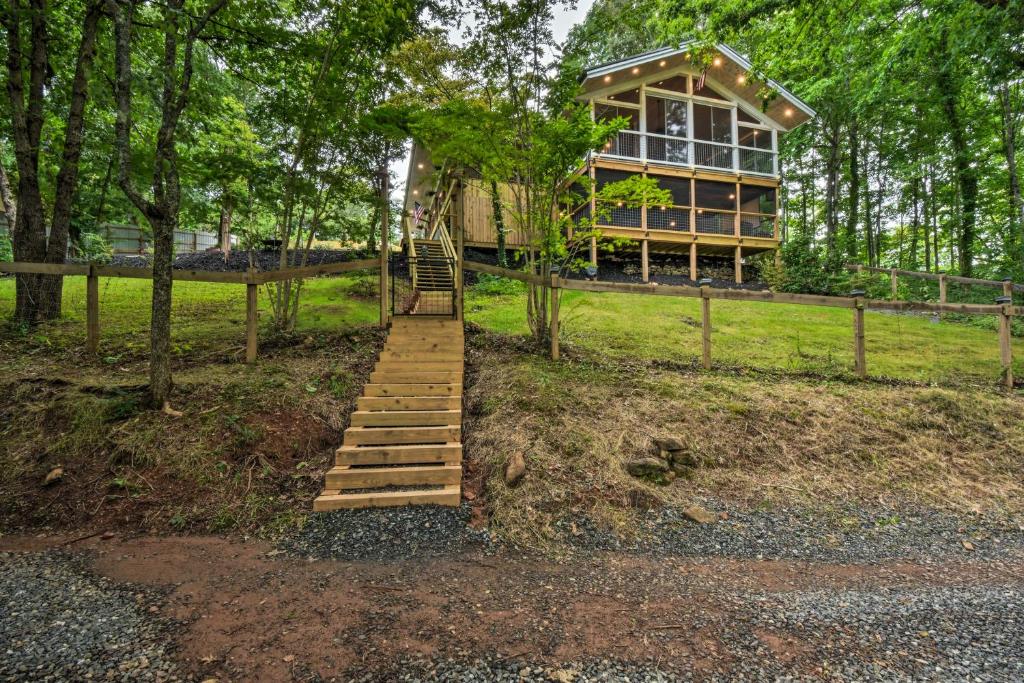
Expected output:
{"points": [[771, 426], [763, 438]]}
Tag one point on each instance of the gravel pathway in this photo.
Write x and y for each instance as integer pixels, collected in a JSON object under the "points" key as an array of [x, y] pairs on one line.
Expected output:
{"points": [[60, 623], [387, 534], [845, 535]]}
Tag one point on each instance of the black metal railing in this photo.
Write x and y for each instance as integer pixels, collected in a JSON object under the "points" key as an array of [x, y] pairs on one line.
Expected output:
{"points": [[422, 285]]}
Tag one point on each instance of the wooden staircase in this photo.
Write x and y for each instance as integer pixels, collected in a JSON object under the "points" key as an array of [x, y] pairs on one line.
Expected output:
{"points": [[433, 269], [404, 445]]}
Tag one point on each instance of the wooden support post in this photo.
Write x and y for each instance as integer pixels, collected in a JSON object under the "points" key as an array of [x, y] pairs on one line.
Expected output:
{"points": [[942, 292], [555, 291], [894, 284], [251, 306], [384, 248], [739, 264], [460, 247], [705, 307], [593, 250], [1005, 347], [860, 367], [1008, 288], [92, 311], [693, 261], [645, 270], [778, 258]]}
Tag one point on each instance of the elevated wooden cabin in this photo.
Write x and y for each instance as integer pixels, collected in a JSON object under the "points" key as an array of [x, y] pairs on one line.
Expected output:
{"points": [[708, 136]]}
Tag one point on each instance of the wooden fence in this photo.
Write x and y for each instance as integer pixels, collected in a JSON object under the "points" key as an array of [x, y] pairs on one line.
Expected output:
{"points": [[1004, 311], [250, 278], [894, 274]]}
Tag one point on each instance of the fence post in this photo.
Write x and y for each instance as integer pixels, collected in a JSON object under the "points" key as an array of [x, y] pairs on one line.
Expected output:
{"points": [[860, 367], [892, 281], [555, 291], [384, 228], [705, 303], [92, 311], [251, 303], [1005, 348]]}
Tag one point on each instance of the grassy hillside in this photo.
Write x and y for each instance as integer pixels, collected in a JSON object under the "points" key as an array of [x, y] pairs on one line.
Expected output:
{"points": [[755, 335]]}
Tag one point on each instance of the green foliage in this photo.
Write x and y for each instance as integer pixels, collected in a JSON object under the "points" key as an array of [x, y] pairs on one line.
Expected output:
{"points": [[94, 248], [6, 253], [803, 270], [495, 285]]}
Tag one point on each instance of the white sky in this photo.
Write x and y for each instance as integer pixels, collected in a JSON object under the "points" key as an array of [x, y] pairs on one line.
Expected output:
{"points": [[565, 19]]}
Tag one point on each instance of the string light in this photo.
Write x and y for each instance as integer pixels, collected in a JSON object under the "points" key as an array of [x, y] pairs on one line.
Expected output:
{"points": [[420, 165], [789, 112], [718, 61], [607, 79], [741, 79], [662, 63], [636, 69]]}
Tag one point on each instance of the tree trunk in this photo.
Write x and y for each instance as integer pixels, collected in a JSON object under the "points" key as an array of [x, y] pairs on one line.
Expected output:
{"points": [[1011, 123], [499, 224], [963, 160], [160, 383], [227, 210], [854, 203], [832, 256]]}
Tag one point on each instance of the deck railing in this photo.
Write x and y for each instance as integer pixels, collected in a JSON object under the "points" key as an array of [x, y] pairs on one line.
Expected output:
{"points": [[677, 151], [679, 218]]}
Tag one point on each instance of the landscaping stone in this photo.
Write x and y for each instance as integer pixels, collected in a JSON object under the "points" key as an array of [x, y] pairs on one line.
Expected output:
{"points": [[515, 470], [698, 514], [647, 467]]}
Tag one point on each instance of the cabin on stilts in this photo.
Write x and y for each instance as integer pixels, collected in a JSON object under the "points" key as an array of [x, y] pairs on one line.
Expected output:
{"points": [[710, 136]]}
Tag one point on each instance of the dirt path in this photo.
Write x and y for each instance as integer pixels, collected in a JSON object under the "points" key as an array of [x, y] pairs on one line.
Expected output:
{"points": [[249, 613]]}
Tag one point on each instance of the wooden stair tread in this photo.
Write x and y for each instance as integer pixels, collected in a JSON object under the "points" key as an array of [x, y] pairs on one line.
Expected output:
{"points": [[407, 418], [348, 478], [447, 495], [402, 454]]}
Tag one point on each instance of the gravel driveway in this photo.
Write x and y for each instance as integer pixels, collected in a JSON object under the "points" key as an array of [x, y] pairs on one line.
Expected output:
{"points": [[59, 622]]}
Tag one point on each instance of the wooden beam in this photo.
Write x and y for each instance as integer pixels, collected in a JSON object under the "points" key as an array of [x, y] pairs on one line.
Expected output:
{"points": [[43, 268], [593, 250], [739, 264], [644, 267], [693, 261]]}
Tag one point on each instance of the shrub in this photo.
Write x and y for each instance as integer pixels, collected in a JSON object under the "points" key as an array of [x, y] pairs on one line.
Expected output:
{"points": [[804, 270], [6, 251], [495, 285], [94, 248]]}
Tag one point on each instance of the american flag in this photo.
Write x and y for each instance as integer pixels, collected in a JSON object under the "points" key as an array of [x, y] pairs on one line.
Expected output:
{"points": [[700, 81], [417, 212]]}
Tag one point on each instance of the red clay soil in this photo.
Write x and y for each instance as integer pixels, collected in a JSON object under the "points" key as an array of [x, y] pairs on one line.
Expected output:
{"points": [[249, 613]]}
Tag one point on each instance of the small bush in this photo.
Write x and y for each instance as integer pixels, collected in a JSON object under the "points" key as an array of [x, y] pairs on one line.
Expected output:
{"points": [[94, 248], [6, 251], [495, 285], [805, 270]]}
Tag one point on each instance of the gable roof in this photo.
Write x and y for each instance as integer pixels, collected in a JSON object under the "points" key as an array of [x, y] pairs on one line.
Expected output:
{"points": [[788, 111]]}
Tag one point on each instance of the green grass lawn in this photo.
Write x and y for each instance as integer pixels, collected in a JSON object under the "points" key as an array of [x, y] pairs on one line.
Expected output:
{"points": [[203, 314], [769, 336]]}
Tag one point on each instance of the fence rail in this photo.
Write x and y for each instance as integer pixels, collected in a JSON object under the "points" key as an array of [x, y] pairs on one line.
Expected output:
{"points": [[857, 304], [940, 277], [250, 278]]}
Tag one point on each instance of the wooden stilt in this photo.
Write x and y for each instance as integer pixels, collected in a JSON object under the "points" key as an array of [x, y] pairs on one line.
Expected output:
{"points": [[739, 264], [593, 251], [92, 311], [894, 284], [643, 261], [693, 261], [942, 291]]}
